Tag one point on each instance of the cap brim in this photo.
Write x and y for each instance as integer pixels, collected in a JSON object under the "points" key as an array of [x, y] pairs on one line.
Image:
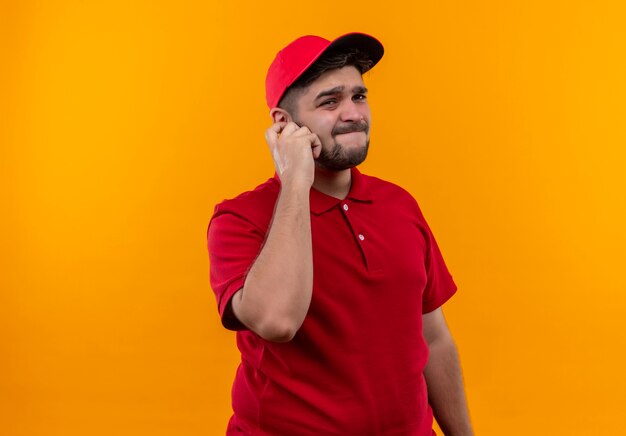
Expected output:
{"points": [[361, 41]]}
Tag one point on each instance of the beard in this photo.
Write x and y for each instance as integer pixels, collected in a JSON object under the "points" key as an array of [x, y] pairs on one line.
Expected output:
{"points": [[337, 157]]}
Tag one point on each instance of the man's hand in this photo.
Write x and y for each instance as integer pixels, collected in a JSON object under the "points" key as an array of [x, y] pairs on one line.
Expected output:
{"points": [[293, 149]]}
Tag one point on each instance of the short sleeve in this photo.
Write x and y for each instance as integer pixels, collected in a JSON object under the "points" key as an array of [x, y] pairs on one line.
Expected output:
{"points": [[233, 243], [440, 286]]}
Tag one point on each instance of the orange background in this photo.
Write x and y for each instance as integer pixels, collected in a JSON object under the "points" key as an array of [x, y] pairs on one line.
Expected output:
{"points": [[123, 123]]}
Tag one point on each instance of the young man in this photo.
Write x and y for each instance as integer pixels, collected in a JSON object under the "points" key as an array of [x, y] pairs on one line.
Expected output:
{"points": [[332, 279]]}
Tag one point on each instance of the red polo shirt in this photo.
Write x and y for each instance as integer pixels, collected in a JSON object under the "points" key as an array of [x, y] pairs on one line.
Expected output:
{"points": [[355, 367]]}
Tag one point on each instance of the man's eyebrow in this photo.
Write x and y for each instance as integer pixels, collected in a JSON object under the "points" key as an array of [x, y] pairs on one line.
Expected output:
{"points": [[332, 91], [338, 89]]}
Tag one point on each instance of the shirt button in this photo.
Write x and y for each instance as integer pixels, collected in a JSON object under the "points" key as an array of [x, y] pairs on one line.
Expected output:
{"points": [[345, 207], [361, 237]]}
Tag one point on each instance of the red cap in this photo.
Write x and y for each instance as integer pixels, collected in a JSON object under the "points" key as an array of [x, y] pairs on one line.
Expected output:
{"points": [[297, 57]]}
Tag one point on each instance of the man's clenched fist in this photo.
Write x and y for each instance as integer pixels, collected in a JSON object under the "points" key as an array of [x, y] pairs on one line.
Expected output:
{"points": [[294, 150]]}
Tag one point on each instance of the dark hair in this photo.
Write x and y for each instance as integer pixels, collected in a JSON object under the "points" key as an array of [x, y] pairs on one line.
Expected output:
{"points": [[331, 60]]}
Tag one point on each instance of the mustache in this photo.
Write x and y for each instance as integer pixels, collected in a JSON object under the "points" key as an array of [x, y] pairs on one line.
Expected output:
{"points": [[359, 126]]}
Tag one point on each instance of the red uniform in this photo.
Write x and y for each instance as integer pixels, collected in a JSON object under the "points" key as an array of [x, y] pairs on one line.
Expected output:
{"points": [[355, 367]]}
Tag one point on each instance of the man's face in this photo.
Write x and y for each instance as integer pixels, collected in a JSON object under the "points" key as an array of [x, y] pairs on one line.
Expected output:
{"points": [[335, 108]]}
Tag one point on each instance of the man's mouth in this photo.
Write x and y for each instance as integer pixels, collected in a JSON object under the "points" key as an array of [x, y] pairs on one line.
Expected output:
{"points": [[360, 127], [348, 133]]}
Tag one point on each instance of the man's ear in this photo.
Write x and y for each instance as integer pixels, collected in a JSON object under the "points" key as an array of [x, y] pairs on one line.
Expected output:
{"points": [[280, 115]]}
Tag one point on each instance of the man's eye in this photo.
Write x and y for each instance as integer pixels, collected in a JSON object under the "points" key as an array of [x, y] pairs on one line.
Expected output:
{"points": [[328, 102], [360, 97]]}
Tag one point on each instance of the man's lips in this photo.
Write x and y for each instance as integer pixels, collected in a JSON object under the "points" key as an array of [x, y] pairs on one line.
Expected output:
{"points": [[351, 128]]}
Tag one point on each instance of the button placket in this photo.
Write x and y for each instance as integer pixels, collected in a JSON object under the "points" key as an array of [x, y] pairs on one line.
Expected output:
{"points": [[355, 219], [359, 236]]}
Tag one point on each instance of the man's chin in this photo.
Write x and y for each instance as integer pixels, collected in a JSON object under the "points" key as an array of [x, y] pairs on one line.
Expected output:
{"points": [[349, 157]]}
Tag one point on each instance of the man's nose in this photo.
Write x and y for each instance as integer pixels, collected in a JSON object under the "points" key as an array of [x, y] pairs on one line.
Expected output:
{"points": [[351, 111]]}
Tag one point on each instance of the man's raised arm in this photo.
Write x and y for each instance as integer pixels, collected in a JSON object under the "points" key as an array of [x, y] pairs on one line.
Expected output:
{"points": [[277, 292]]}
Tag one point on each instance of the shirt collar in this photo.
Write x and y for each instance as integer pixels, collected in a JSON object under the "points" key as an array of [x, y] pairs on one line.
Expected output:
{"points": [[359, 191]]}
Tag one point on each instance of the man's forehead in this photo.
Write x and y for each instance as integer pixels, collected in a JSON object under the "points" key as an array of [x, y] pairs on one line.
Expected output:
{"points": [[346, 78]]}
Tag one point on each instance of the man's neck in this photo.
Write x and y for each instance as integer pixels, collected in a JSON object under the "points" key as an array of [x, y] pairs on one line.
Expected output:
{"points": [[333, 183]]}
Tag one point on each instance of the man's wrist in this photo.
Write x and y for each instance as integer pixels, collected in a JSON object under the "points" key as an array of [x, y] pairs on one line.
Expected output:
{"points": [[295, 186]]}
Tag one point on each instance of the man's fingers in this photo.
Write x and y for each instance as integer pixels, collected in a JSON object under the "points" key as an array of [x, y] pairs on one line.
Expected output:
{"points": [[271, 134], [271, 137], [315, 140], [290, 128], [316, 145], [278, 126], [302, 131]]}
